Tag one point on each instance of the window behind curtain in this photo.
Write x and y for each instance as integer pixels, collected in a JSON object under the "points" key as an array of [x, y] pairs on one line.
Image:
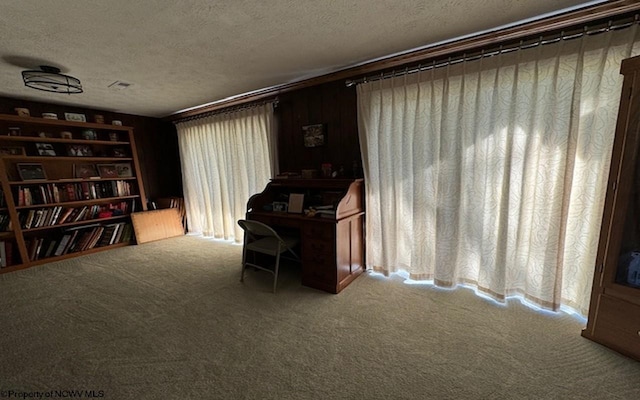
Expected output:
{"points": [[493, 172], [225, 159]]}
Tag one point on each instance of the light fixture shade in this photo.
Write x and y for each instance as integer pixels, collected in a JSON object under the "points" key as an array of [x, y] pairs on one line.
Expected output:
{"points": [[50, 79]]}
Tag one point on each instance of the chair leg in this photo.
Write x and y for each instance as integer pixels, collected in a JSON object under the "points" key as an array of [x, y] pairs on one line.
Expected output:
{"points": [[275, 272], [244, 264]]}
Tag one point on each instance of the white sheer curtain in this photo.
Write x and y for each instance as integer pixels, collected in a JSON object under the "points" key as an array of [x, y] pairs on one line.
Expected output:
{"points": [[493, 172], [225, 159]]}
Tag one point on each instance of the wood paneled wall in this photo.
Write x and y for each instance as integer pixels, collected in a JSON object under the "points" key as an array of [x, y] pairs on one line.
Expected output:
{"points": [[156, 142], [331, 104]]}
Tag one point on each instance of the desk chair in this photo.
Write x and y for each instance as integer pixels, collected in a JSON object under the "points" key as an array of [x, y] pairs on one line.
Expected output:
{"points": [[261, 238]]}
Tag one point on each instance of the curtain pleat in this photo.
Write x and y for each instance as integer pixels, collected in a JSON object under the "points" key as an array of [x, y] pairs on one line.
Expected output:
{"points": [[225, 159], [493, 172]]}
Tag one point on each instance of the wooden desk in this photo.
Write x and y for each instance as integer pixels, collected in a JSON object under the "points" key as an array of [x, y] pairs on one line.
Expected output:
{"points": [[332, 249]]}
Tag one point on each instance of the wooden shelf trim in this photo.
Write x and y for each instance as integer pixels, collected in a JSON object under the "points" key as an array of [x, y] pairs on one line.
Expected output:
{"points": [[66, 158], [39, 139], [63, 181], [61, 122], [62, 257]]}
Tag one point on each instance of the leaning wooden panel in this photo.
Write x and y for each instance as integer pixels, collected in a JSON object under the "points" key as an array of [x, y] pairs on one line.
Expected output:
{"points": [[157, 224]]}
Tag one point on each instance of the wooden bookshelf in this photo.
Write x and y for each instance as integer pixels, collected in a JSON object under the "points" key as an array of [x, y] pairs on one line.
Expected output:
{"points": [[46, 200], [614, 312]]}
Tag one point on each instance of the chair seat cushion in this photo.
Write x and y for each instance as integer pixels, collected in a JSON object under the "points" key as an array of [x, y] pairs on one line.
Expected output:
{"points": [[269, 245]]}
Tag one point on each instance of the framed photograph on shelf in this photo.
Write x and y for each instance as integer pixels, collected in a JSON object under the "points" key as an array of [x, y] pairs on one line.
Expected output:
{"points": [[75, 117], [79, 150], [124, 170], [119, 152], [90, 134], [45, 149], [85, 171], [12, 151], [107, 171], [313, 135], [31, 171]]}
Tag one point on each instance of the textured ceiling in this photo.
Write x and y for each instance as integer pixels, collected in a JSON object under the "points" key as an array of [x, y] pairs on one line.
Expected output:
{"points": [[181, 54]]}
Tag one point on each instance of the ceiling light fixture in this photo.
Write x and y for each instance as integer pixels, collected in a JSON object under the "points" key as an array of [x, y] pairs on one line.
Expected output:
{"points": [[50, 79]]}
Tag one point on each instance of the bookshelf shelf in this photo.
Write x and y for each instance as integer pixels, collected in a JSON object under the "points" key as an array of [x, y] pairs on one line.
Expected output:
{"points": [[77, 223], [77, 203], [67, 159], [68, 188], [70, 180], [36, 139]]}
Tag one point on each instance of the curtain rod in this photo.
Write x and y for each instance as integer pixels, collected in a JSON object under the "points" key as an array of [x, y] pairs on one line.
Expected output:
{"points": [[612, 25], [229, 110]]}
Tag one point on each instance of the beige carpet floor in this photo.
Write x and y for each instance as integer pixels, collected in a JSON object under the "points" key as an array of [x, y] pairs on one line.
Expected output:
{"points": [[170, 320]]}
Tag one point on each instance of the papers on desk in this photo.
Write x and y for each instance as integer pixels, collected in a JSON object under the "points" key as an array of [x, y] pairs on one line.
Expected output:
{"points": [[321, 211], [326, 213]]}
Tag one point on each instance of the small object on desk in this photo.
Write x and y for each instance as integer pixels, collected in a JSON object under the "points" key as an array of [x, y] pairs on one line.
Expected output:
{"points": [[308, 173], [326, 213], [22, 112], [280, 206], [296, 201], [288, 175], [326, 170]]}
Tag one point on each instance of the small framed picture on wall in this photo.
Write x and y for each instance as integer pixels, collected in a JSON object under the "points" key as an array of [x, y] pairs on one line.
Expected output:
{"points": [[313, 135]]}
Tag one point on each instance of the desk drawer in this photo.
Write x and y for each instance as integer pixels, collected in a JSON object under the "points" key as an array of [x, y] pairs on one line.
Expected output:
{"points": [[319, 251], [319, 231], [618, 325]]}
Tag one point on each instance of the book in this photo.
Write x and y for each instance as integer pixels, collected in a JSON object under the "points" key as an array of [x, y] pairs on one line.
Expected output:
{"points": [[8, 250], [39, 242], [95, 237], [50, 248], [63, 244], [32, 247], [72, 241], [3, 254], [116, 234], [65, 215], [105, 238]]}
